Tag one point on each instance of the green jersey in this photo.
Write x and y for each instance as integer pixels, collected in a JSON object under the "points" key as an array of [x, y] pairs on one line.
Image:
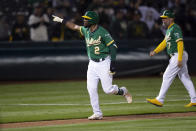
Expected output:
{"points": [[97, 42], [173, 35]]}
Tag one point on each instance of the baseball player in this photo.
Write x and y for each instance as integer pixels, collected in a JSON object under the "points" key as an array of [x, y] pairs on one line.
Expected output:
{"points": [[177, 63], [101, 50]]}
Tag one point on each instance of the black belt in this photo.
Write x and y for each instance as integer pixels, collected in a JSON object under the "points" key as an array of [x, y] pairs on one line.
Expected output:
{"points": [[98, 60], [172, 54]]}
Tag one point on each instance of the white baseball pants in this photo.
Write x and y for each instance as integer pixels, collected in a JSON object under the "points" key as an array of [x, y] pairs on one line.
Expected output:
{"points": [[99, 71], [171, 72]]}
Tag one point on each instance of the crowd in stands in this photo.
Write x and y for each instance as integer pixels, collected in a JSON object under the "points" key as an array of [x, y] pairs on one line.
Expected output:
{"points": [[31, 20]]}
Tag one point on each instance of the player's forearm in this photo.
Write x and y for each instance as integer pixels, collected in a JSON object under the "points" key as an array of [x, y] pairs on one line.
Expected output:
{"points": [[180, 50], [113, 50], [160, 47], [72, 26]]}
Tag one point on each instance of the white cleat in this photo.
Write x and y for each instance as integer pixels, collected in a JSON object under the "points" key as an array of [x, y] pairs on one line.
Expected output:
{"points": [[95, 117], [127, 95]]}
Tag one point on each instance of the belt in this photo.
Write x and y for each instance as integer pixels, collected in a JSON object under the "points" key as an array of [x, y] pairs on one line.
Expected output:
{"points": [[172, 54], [98, 60]]}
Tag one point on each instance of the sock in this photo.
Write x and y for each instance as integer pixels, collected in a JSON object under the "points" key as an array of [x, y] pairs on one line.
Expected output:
{"points": [[120, 92]]}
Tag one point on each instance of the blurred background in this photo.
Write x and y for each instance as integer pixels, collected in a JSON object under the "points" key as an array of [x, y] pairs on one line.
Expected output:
{"points": [[32, 47]]}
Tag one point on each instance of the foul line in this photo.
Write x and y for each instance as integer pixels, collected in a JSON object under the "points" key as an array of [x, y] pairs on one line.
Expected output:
{"points": [[115, 103]]}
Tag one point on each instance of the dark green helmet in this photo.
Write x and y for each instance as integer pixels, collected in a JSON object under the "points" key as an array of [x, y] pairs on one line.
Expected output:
{"points": [[92, 17], [167, 14]]}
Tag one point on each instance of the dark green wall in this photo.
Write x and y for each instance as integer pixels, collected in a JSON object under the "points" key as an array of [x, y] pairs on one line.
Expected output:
{"points": [[68, 60]]}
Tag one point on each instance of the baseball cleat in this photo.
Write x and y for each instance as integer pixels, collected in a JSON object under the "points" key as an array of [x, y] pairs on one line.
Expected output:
{"points": [[190, 104], [155, 102], [95, 117], [127, 95]]}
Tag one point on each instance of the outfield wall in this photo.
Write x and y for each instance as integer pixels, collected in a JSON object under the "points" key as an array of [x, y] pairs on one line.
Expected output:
{"points": [[68, 59]]}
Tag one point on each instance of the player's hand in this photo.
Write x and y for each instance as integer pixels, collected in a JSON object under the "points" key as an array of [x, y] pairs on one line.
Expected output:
{"points": [[179, 64], [57, 19], [152, 53], [112, 68]]}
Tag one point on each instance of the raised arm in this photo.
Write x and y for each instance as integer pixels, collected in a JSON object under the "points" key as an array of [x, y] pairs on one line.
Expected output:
{"points": [[69, 24]]}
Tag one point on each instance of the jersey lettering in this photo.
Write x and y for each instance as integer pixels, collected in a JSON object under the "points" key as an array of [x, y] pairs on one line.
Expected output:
{"points": [[96, 42], [177, 35], [93, 41], [173, 34], [167, 38]]}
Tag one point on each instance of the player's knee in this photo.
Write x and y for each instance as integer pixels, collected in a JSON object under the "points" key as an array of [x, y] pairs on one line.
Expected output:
{"points": [[184, 76], [166, 76], [110, 91]]}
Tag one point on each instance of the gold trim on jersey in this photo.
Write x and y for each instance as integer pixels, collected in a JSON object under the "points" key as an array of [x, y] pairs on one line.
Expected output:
{"points": [[180, 39], [81, 31], [170, 25], [108, 44]]}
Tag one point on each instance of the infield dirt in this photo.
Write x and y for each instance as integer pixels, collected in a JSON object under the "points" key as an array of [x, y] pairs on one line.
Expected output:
{"points": [[105, 119]]}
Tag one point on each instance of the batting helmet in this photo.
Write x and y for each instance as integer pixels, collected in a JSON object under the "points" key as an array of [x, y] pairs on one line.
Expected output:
{"points": [[167, 14], [92, 17]]}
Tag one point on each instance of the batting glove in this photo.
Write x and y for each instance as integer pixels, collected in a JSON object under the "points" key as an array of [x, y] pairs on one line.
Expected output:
{"points": [[112, 68], [57, 19]]}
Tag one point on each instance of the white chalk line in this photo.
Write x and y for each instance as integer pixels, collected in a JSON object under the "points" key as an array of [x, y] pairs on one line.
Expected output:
{"points": [[163, 127], [66, 104], [166, 95]]}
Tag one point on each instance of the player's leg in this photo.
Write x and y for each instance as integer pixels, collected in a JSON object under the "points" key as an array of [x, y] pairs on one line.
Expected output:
{"points": [[185, 78], [168, 77], [106, 78], [106, 81], [92, 83]]}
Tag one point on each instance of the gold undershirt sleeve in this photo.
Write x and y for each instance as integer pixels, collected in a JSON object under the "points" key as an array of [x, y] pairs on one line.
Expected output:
{"points": [[160, 47], [180, 50]]}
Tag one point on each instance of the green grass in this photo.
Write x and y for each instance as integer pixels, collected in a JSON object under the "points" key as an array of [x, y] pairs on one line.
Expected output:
{"points": [[170, 124], [69, 99]]}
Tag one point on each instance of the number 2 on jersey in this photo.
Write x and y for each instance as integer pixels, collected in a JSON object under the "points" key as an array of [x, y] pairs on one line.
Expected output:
{"points": [[97, 50]]}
